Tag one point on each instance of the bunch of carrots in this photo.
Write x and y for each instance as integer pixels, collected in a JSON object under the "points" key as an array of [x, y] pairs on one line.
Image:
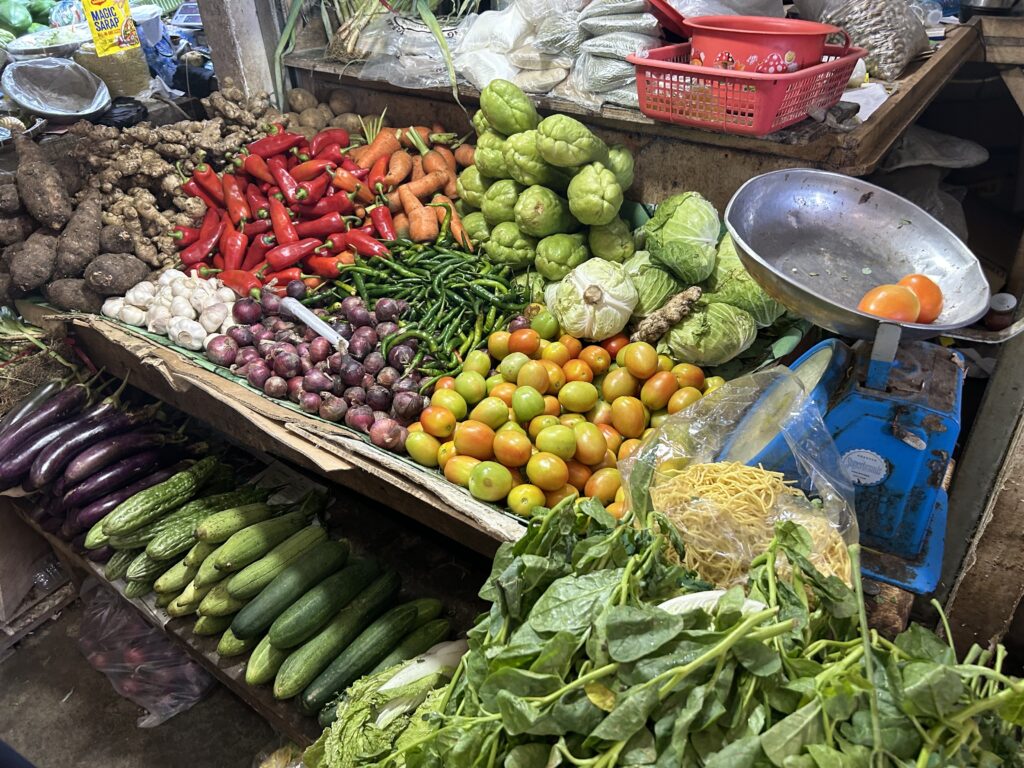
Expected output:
{"points": [[290, 209]]}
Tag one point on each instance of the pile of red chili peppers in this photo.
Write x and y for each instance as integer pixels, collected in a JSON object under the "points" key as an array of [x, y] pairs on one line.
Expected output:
{"points": [[286, 209]]}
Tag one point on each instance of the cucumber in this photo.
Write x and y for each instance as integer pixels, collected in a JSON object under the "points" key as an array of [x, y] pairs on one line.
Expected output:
{"points": [[207, 574], [138, 588], [165, 599], [176, 532], [416, 643], [287, 587], [211, 625], [175, 578], [177, 608], [219, 603], [230, 645], [145, 568], [199, 553], [264, 663], [366, 650], [218, 527], [251, 580], [311, 658], [117, 565], [250, 544], [328, 714], [192, 595]]}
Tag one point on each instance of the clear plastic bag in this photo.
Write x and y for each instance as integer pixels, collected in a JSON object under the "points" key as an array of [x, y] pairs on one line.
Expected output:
{"points": [[540, 80], [529, 57], [140, 661], [404, 51], [626, 96], [559, 35], [620, 44], [642, 23], [480, 67], [613, 8], [705, 472], [599, 73], [729, 7], [888, 29], [496, 31]]}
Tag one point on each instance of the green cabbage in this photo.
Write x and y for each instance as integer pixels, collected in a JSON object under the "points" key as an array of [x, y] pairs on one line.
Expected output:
{"points": [[682, 237], [653, 285], [594, 301], [730, 283], [712, 335]]}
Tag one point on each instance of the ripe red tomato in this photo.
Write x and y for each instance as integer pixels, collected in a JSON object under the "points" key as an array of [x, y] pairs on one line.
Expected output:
{"points": [[891, 302], [928, 293]]}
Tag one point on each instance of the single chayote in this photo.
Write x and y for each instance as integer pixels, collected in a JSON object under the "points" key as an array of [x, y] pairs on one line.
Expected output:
{"points": [[525, 165], [558, 255], [499, 201], [490, 157], [541, 212], [471, 186], [508, 110], [476, 227], [612, 242], [480, 124], [566, 142], [594, 195], [507, 245], [620, 162]]}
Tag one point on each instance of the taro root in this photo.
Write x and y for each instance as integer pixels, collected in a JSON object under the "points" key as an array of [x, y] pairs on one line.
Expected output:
{"points": [[79, 243], [112, 274], [32, 265], [116, 239], [72, 294], [41, 187]]}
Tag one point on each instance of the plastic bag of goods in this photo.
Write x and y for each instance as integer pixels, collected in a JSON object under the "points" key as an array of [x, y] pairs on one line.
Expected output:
{"points": [[140, 661], [726, 471], [888, 29], [640, 23], [620, 44], [540, 80], [613, 8], [559, 35], [693, 8], [601, 73]]}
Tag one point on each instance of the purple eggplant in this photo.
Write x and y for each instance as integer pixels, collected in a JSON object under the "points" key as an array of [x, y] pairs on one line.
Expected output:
{"points": [[33, 400], [14, 469], [107, 451], [51, 460], [113, 477], [100, 555], [96, 511], [56, 409]]}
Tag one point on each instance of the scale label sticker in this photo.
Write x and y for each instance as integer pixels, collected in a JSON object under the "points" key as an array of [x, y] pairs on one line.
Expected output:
{"points": [[865, 467]]}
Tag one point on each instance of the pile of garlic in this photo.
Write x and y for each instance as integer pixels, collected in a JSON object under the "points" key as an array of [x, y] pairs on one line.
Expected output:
{"points": [[189, 309]]}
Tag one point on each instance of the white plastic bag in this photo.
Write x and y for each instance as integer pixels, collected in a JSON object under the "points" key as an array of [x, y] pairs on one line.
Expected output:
{"points": [[620, 44], [731, 7], [529, 57], [613, 7], [481, 67], [404, 51], [642, 23], [540, 80], [496, 31]]}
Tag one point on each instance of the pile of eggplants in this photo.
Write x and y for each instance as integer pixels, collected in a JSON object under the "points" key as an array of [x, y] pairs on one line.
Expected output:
{"points": [[82, 455]]}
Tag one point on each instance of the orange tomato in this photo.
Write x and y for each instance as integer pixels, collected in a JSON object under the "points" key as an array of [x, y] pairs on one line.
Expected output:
{"points": [[415, 427], [665, 363], [557, 439], [688, 375], [683, 398], [591, 443], [458, 469], [603, 484], [556, 376], [533, 374], [504, 392], [572, 344], [640, 359], [444, 453], [578, 474], [578, 370], [497, 344], [601, 413], [615, 343], [511, 448], [578, 396], [547, 471], [616, 509], [618, 383], [551, 406], [928, 294], [489, 481], [628, 416], [620, 495], [438, 421], [557, 353], [891, 302], [445, 382], [452, 400], [517, 476], [658, 390], [566, 491], [596, 357], [422, 448], [544, 344], [474, 438], [525, 340], [611, 436], [524, 498], [609, 460], [492, 411], [627, 447]]}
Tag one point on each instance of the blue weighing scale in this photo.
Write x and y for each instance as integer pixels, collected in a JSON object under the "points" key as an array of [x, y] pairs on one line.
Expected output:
{"points": [[816, 242]]}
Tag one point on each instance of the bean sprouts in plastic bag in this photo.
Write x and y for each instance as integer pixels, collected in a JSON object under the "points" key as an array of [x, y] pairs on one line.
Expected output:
{"points": [[620, 44], [889, 30], [644, 23], [724, 471], [600, 73]]}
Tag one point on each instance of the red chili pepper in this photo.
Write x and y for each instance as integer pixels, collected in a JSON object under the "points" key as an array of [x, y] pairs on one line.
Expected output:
{"points": [[310, 169], [218, 262], [257, 251], [327, 204], [209, 235], [377, 173], [241, 282], [275, 144], [207, 178], [234, 199], [324, 266], [276, 193], [365, 244], [285, 181], [232, 247], [327, 137], [284, 230], [333, 153], [316, 188], [290, 161], [342, 179], [382, 222], [258, 227], [184, 235], [289, 254], [300, 157], [335, 243], [192, 189], [312, 283], [258, 203], [256, 167], [283, 276], [350, 165], [321, 227]]}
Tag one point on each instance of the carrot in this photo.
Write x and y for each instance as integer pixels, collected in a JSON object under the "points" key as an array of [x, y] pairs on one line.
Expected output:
{"points": [[445, 207], [423, 226], [356, 152], [449, 158], [428, 185], [401, 222], [417, 167], [408, 141], [399, 168], [433, 161], [437, 128], [394, 202], [384, 143], [464, 155], [408, 200]]}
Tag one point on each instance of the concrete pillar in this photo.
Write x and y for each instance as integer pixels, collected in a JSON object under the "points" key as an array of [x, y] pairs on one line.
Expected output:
{"points": [[242, 35]]}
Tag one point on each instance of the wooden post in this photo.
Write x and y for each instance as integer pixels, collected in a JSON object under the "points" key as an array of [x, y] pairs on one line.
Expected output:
{"points": [[242, 34]]}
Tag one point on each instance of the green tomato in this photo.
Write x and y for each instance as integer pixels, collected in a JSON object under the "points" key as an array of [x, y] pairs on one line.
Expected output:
{"points": [[525, 165], [478, 361], [476, 227], [480, 124], [558, 255], [545, 324], [527, 402], [540, 212], [620, 162], [566, 142], [489, 156], [510, 365], [472, 386], [489, 481], [611, 242], [499, 201], [594, 195], [531, 284], [507, 245], [471, 186], [507, 108]]}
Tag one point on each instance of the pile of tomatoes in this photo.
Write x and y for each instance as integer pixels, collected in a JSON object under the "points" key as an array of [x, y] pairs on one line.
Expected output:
{"points": [[914, 299], [539, 417]]}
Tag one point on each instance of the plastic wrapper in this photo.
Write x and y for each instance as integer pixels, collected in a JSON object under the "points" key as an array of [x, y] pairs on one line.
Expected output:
{"points": [[705, 472], [730, 7], [540, 9], [530, 57], [496, 31], [642, 23], [889, 30], [58, 89], [599, 73], [280, 753], [540, 80], [480, 67], [620, 44], [140, 661], [613, 8], [404, 51], [626, 96], [559, 34]]}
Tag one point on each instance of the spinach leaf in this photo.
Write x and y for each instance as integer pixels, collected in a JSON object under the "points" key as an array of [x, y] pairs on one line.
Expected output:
{"points": [[571, 602], [930, 689], [922, 644], [790, 735], [635, 632], [1012, 710], [629, 716], [556, 655], [738, 754], [517, 682], [757, 658], [574, 712], [533, 756], [639, 750]]}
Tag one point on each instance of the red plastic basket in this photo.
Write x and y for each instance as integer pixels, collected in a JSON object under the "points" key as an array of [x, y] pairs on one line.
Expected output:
{"points": [[746, 103]]}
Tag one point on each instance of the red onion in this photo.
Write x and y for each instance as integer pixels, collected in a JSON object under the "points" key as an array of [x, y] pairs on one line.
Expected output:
{"points": [[386, 329], [332, 408], [360, 317], [319, 349], [387, 377], [287, 364], [257, 374], [245, 354], [351, 302], [406, 384], [517, 323], [308, 335], [242, 334], [359, 417], [400, 356], [275, 386], [284, 347], [335, 361], [222, 350], [386, 309], [306, 364], [302, 348], [351, 372], [360, 346], [374, 363], [407, 406], [378, 398], [309, 402], [355, 395], [294, 388], [368, 381], [296, 289], [344, 329], [263, 334], [280, 324], [389, 434], [270, 301], [317, 381], [246, 311]]}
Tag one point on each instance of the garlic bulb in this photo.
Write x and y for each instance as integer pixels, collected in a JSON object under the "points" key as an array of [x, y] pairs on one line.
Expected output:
{"points": [[168, 277], [112, 306], [201, 297], [183, 287], [187, 333], [225, 294], [182, 307], [157, 318], [213, 316], [229, 322], [141, 294], [132, 315]]}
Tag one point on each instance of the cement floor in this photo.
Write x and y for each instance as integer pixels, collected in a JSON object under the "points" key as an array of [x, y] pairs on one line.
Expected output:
{"points": [[58, 712]]}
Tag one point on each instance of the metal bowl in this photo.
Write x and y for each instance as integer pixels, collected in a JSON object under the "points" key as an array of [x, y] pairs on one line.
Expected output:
{"points": [[818, 241]]}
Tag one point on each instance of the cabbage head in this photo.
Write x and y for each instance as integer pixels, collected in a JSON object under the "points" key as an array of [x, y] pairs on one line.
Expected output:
{"points": [[653, 285], [682, 236], [594, 301], [714, 334], [730, 283]]}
